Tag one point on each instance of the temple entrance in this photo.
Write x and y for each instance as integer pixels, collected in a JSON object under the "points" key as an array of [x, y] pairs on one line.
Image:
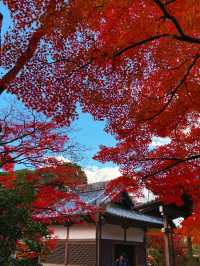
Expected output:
{"points": [[126, 250]]}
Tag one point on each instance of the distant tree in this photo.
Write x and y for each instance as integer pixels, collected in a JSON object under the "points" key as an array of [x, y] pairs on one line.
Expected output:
{"points": [[21, 238], [156, 248], [63, 175], [24, 199]]}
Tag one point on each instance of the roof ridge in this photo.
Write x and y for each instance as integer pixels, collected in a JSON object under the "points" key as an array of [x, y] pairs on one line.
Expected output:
{"points": [[92, 186]]}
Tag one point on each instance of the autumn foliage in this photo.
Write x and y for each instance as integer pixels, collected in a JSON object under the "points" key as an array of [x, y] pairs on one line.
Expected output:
{"points": [[26, 195], [191, 227], [133, 63], [27, 206], [156, 248]]}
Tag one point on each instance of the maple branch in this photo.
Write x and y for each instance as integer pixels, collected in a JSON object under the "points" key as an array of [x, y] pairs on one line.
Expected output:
{"points": [[131, 46], [57, 61], [169, 2], [29, 52], [85, 65], [167, 168], [174, 91], [19, 137], [156, 37], [162, 158], [183, 36], [170, 17], [178, 66]]}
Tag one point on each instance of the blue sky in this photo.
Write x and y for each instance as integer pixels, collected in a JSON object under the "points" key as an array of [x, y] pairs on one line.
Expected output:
{"points": [[7, 22], [91, 134], [86, 132]]}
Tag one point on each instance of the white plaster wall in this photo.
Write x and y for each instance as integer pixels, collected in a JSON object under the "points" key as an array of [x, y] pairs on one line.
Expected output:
{"points": [[60, 231], [135, 234], [82, 231], [88, 231], [110, 231]]}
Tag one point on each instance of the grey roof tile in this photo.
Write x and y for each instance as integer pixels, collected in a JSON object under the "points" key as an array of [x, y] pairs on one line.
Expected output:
{"points": [[132, 215], [96, 195]]}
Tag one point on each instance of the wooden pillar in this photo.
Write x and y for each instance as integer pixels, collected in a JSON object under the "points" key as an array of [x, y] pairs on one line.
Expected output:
{"points": [[169, 245], [125, 233], [166, 240], [173, 253], [98, 239], [189, 247], [145, 245], [66, 260]]}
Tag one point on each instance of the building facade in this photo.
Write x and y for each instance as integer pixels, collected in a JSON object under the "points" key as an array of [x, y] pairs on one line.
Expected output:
{"points": [[117, 230]]}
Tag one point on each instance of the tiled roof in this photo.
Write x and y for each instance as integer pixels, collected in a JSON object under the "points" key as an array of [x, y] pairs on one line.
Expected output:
{"points": [[96, 195], [92, 187], [132, 215]]}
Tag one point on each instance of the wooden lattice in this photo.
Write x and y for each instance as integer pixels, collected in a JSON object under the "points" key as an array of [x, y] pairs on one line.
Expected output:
{"points": [[82, 253]]}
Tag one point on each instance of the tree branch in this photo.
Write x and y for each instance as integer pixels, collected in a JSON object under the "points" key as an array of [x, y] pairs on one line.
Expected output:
{"points": [[174, 91], [169, 2], [183, 36], [29, 52], [170, 166], [131, 46], [170, 17]]}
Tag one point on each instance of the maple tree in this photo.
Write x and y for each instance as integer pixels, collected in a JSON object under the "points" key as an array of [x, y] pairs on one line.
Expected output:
{"points": [[26, 194], [28, 141], [156, 249], [133, 63], [155, 240], [28, 205], [64, 174]]}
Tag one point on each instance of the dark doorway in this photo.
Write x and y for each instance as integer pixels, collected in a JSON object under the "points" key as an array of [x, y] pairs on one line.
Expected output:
{"points": [[127, 250]]}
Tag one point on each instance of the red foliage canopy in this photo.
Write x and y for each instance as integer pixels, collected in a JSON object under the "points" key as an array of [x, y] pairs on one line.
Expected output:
{"points": [[155, 241], [134, 63], [27, 196]]}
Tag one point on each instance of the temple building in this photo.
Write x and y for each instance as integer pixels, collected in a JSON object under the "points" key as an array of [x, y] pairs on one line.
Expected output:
{"points": [[118, 229]]}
